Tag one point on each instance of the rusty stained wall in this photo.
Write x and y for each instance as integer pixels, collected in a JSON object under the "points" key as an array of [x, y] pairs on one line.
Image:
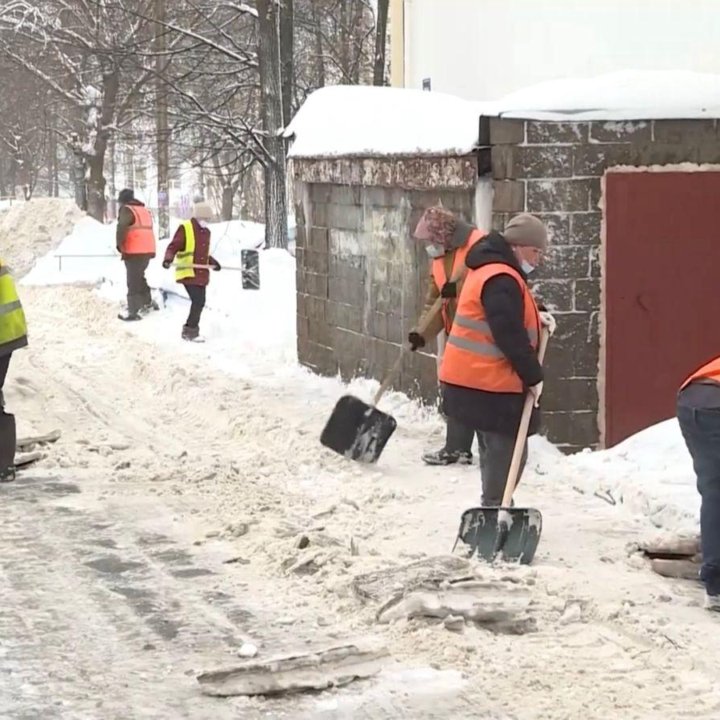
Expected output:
{"points": [[555, 170], [361, 278]]}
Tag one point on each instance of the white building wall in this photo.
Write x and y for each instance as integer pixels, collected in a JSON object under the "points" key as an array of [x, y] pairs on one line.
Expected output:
{"points": [[483, 49]]}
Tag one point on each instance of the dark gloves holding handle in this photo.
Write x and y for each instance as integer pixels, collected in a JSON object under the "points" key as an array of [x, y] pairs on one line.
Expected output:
{"points": [[416, 341], [449, 290]]}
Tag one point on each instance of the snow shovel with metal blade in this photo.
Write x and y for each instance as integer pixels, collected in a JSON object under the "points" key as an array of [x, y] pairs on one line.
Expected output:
{"points": [[360, 431], [512, 533]]}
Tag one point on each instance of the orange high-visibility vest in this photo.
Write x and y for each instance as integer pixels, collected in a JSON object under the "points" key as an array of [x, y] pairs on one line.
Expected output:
{"points": [[709, 371], [471, 358], [440, 277], [140, 237]]}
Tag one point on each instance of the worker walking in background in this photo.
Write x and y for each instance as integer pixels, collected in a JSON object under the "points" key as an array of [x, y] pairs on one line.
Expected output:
{"points": [[447, 240], [698, 413], [13, 336], [135, 241], [191, 246], [491, 357]]}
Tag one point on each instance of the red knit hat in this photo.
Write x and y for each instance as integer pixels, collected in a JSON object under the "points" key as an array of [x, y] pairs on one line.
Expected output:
{"points": [[436, 225]]}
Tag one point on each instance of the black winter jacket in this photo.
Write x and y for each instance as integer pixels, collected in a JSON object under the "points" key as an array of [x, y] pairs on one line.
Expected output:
{"points": [[502, 299]]}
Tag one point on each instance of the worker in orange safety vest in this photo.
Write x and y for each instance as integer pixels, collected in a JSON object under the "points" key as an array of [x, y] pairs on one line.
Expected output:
{"points": [[135, 241], [447, 241], [698, 413], [491, 360]]}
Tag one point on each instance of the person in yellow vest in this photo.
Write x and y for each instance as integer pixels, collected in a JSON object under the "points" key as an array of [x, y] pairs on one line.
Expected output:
{"points": [[447, 241], [13, 336], [191, 246], [490, 361], [135, 241], [698, 414]]}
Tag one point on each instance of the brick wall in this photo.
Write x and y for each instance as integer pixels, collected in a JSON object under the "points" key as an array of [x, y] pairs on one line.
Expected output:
{"points": [[555, 170], [361, 279]]}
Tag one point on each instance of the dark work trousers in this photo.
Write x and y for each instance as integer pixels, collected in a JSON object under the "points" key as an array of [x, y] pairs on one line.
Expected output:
{"points": [[138, 291], [700, 428], [4, 365], [496, 453], [197, 303], [458, 438]]}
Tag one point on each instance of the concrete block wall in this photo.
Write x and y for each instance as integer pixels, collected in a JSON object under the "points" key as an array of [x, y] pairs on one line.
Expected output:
{"points": [[361, 278], [555, 170]]}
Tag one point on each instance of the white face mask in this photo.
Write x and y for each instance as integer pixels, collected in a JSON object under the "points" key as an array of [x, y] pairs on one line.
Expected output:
{"points": [[434, 251], [527, 268], [202, 223]]}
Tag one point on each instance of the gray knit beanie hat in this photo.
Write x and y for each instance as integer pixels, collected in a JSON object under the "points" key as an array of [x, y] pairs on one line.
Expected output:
{"points": [[526, 230]]}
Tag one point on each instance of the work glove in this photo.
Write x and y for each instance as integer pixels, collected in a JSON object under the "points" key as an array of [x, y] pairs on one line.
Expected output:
{"points": [[449, 290], [416, 341], [167, 263], [536, 392], [548, 321], [216, 266]]}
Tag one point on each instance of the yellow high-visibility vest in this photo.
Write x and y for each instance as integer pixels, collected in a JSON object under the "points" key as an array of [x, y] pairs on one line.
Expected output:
{"points": [[184, 259], [13, 328]]}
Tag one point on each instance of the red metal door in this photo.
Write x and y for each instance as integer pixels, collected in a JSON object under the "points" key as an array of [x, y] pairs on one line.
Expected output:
{"points": [[662, 300]]}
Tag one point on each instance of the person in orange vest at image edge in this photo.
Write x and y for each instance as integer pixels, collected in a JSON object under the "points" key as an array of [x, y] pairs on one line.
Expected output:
{"points": [[447, 241], [135, 241], [490, 362], [191, 246], [698, 414]]}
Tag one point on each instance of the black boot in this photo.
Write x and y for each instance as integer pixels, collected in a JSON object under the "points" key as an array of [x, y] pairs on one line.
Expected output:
{"points": [[448, 457]]}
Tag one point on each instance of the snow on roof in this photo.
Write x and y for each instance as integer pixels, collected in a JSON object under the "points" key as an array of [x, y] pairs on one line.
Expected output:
{"points": [[363, 121], [344, 120], [623, 95]]}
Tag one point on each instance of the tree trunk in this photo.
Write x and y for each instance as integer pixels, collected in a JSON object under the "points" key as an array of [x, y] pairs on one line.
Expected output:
{"points": [[112, 189], [319, 47], [380, 42], [276, 232], [161, 123], [287, 33], [96, 187], [228, 201]]}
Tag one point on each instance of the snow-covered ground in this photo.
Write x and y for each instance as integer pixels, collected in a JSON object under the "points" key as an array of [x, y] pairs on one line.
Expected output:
{"points": [[217, 446]]}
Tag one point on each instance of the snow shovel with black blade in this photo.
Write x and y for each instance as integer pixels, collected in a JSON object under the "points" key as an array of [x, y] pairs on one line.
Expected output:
{"points": [[511, 533], [360, 431]]}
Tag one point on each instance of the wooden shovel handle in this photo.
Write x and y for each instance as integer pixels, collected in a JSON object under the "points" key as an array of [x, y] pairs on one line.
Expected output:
{"points": [[522, 432], [422, 327]]}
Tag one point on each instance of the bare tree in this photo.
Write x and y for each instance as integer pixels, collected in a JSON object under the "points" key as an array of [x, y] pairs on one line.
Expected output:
{"points": [[82, 51]]}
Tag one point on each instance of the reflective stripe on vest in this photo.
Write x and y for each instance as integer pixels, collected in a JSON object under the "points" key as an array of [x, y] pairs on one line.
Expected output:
{"points": [[472, 358], [185, 258], [440, 277], [709, 371], [13, 328], [140, 236]]}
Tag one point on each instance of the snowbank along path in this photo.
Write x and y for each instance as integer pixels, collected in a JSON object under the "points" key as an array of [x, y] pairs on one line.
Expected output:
{"points": [[176, 459]]}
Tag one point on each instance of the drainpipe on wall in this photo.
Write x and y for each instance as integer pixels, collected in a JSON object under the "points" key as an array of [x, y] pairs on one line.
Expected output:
{"points": [[397, 43]]}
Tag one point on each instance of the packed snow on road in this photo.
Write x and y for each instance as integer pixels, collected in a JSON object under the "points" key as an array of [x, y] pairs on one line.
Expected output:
{"points": [[187, 528]]}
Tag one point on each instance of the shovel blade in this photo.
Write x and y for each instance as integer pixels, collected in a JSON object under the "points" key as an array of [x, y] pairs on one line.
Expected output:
{"points": [[491, 533], [357, 430], [250, 267]]}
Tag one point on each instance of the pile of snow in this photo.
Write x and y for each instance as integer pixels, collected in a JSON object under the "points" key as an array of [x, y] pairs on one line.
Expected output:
{"points": [[623, 95], [30, 229], [342, 121], [649, 474]]}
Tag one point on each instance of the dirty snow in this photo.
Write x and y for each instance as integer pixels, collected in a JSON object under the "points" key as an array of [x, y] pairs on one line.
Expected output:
{"points": [[215, 447]]}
